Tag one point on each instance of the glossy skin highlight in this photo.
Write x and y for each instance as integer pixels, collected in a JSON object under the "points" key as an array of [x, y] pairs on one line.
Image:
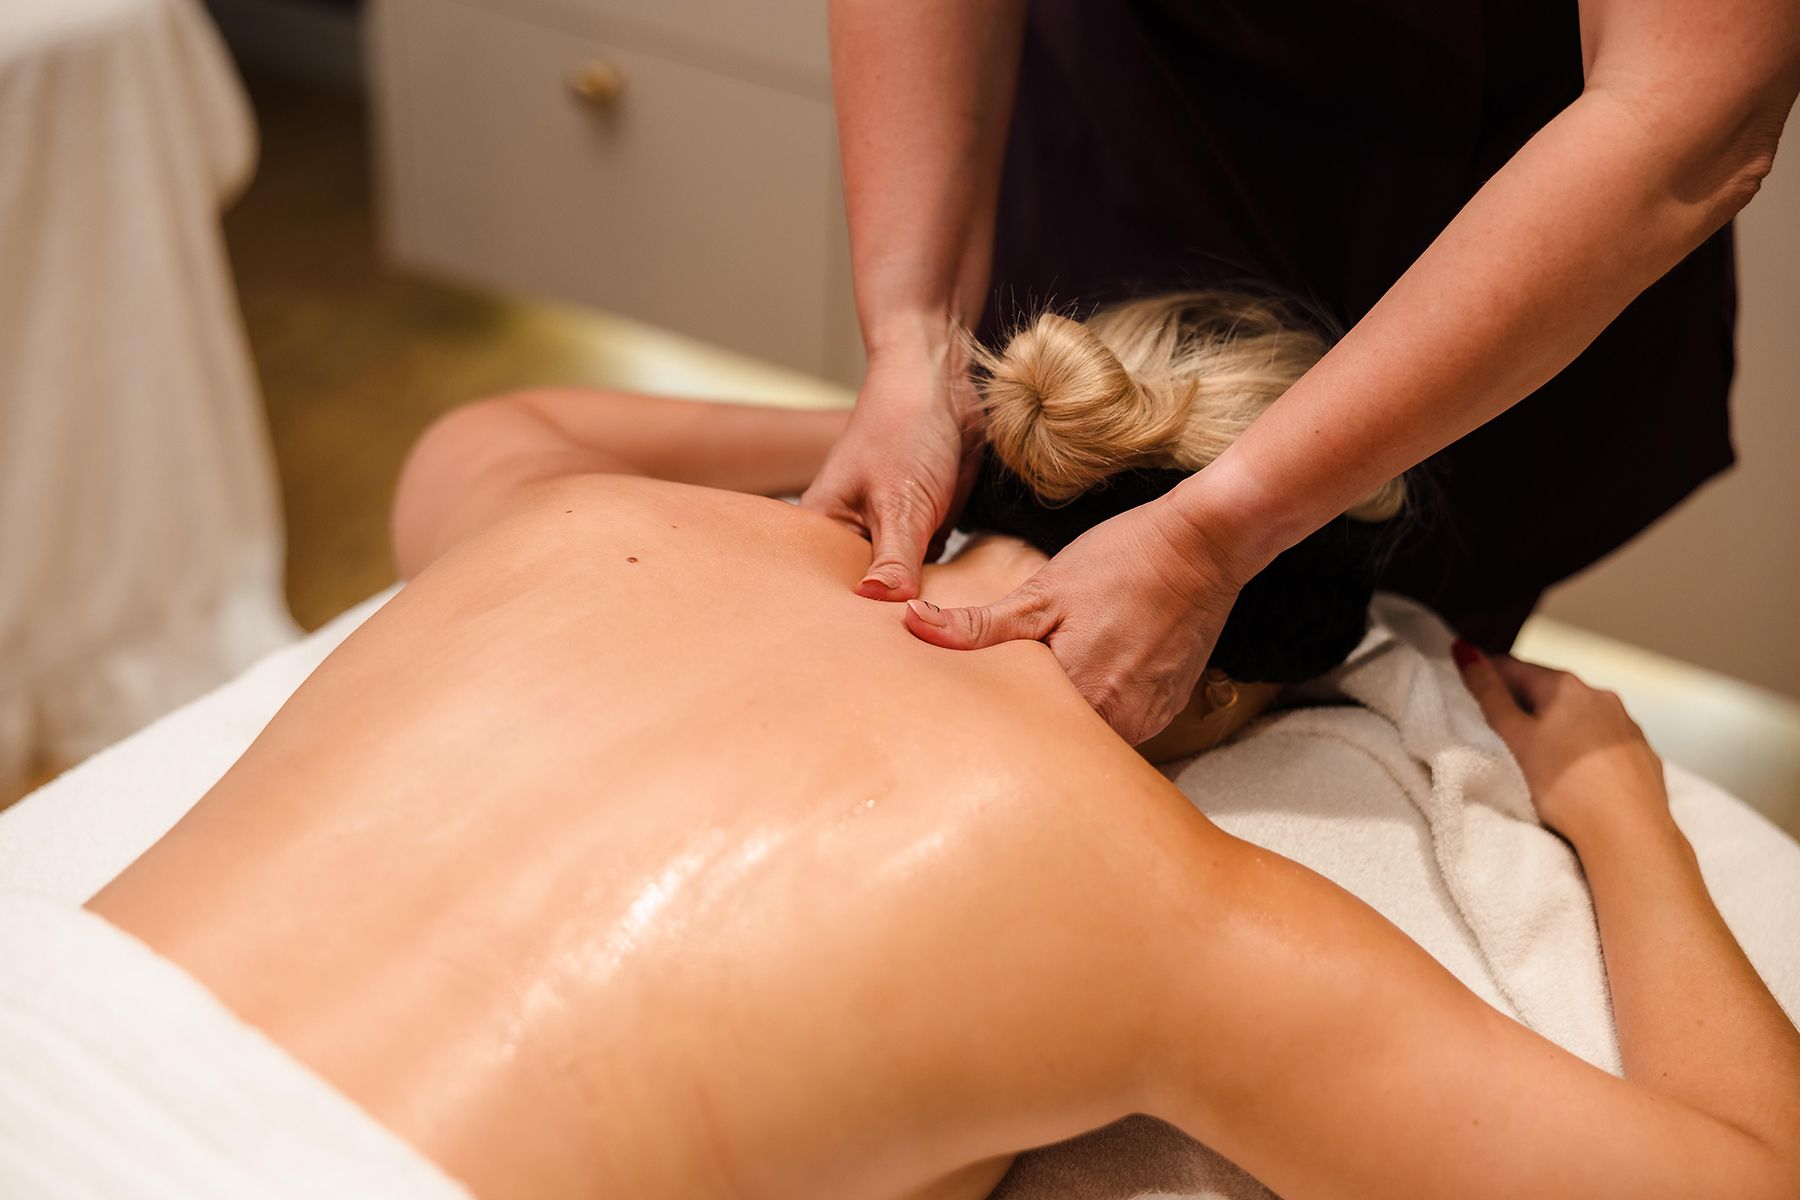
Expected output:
{"points": [[589, 878]]}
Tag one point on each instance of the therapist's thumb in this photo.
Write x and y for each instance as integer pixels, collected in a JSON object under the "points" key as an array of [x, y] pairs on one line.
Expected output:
{"points": [[893, 574], [1025, 615]]}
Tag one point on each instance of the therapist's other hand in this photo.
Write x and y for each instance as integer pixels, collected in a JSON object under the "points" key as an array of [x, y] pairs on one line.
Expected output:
{"points": [[1585, 759], [904, 465], [1131, 610]]}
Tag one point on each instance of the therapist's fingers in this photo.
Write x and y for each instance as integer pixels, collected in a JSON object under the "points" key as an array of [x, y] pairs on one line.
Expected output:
{"points": [[897, 473], [1485, 683], [900, 529], [1025, 614], [912, 529]]}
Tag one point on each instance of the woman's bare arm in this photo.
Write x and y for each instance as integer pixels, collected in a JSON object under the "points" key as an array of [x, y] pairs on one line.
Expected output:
{"points": [[475, 459], [1696, 1023], [1323, 1051], [1676, 126]]}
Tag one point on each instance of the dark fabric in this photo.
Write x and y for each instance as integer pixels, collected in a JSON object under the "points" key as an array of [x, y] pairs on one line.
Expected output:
{"points": [[1494, 632], [1298, 618], [1314, 148]]}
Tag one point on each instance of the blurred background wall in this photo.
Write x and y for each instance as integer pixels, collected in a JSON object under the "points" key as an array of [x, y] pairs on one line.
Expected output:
{"points": [[1717, 581]]}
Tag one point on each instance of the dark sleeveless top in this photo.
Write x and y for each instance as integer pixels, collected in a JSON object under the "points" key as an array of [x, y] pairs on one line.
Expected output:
{"points": [[1315, 148]]}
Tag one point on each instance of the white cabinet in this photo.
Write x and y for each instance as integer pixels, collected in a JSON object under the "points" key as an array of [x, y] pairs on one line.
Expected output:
{"points": [[703, 197]]}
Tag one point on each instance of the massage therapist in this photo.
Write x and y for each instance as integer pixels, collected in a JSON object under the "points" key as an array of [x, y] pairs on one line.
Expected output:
{"points": [[1518, 211]]}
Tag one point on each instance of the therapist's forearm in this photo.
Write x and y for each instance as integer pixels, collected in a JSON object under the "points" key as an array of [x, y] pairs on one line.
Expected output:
{"points": [[1589, 213], [924, 92]]}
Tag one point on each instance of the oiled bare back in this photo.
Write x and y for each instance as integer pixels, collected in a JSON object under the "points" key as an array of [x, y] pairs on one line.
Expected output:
{"points": [[639, 856], [628, 853]]}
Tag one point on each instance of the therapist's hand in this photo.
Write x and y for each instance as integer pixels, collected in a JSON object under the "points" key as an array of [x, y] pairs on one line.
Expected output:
{"points": [[904, 465], [1131, 610]]}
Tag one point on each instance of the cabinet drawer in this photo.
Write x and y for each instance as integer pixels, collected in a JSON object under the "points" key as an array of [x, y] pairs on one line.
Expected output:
{"points": [[782, 39], [695, 200]]}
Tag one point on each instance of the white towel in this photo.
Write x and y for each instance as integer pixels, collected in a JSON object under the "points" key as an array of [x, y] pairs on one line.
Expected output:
{"points": [[121, 1077], [1411, 802], [70, 838], [1517, 886]]}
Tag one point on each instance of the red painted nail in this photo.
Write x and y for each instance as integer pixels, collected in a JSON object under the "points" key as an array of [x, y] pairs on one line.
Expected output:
{"points": [[1463, 653]]}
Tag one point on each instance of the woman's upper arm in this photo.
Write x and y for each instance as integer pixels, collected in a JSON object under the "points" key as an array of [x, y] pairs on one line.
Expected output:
{"points": [[471, 465], [1327, 1054]]}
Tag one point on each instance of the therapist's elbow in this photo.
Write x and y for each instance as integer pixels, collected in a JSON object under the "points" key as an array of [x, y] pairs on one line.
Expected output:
{"points": [[1722, 145], [1742, 160], [1703, 140], [1711, 152]]}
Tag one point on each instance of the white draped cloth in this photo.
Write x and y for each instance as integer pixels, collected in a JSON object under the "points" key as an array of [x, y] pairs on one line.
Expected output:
{"points": [[140, 529]]}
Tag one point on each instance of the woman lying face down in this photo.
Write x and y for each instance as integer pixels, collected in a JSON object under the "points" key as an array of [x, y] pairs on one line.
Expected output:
{"points": [[597, 864]]}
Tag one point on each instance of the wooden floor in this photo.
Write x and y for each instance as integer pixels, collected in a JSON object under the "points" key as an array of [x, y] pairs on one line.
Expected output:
{"points": [[356, 358]]}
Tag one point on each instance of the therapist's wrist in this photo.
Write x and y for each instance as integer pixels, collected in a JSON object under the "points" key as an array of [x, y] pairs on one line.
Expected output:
{"points": [[920, 362], [1226, 515], [914, 333]]}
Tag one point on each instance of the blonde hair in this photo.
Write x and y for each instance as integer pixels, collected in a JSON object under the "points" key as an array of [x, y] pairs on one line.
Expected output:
{"points": [[1166, 381]]}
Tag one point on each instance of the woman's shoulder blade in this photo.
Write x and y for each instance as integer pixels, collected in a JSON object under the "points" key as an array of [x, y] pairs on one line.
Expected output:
{"points": [[596, 512]]}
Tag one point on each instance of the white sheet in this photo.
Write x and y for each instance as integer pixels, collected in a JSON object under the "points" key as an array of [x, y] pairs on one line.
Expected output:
{"points": [[70, 837], [1407, 799], [121, 1077]]}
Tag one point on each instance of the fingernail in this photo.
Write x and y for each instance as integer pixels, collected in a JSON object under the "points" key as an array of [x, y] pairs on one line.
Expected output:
{"points": [[881, 581], [927, 612], [1463, 653]]}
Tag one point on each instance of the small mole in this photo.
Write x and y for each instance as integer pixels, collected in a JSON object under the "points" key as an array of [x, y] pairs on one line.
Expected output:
{"points": [[631, 560], [568, 510]]}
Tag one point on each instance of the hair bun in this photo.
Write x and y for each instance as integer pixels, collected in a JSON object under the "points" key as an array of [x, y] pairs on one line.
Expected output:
{"points": [[1163, 381], [1064, 413]]}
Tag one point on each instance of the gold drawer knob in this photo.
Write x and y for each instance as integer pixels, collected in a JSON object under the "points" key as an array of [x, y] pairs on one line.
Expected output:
{"points": [[598, 82]]}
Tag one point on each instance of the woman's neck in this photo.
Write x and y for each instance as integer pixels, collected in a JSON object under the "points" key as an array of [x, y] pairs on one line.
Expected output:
{"points": [[990, 566], [993, 564]]}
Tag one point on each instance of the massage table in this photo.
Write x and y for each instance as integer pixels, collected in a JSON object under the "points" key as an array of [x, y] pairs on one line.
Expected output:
{"points": [[1386, 780]]}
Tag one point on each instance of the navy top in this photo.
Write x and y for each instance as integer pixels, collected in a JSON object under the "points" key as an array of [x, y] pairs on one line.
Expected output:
{"points": [[1315, 148]]}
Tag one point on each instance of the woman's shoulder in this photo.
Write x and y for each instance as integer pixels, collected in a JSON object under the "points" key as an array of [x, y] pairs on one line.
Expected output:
{"points": [[584, 517]]}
